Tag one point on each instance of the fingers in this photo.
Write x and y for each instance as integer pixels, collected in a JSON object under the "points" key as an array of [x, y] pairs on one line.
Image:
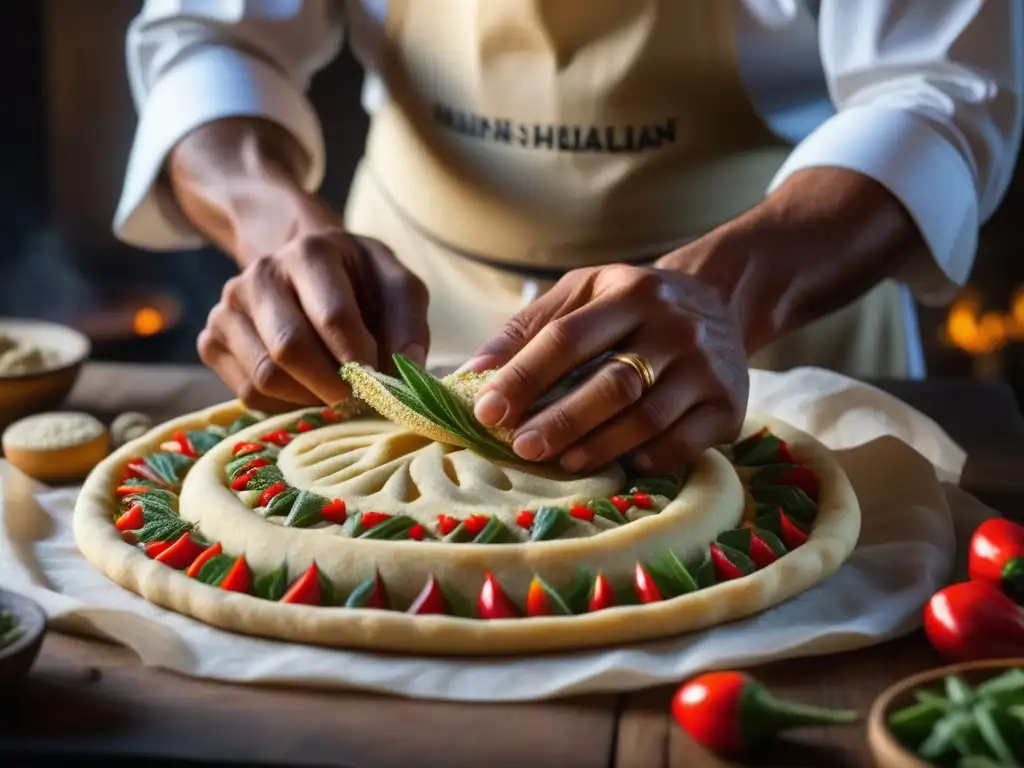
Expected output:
{"points": [[219, 359], [319, 271], [610, 397], [289, 348], [404, 302], [708, 424], [234, 330], [555, 350]]}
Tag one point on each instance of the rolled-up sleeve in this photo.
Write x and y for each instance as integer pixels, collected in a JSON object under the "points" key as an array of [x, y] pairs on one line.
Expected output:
{"points": [[191, 62], [928, 103]]}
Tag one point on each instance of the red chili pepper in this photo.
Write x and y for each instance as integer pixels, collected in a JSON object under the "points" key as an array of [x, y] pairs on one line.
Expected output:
{"points": [[581, 512], [124, 491], [621, 503], [185, 445], [431, 599], [997, 555], [306, 589], [206, 556], [269, 493], [279, 437], [803, 478], [760, 552], [372, 593], [131, 520], [256, 463], [791, 535], [493, 603], [241, 483], [974, 620], [238, 578], [417, 532], [303, 426], [156, 548], [329, 415], [129, 537], [731, 711], [446, 524], [602, 594], [537, 599], [372, 519], [139, 468], [475, 523], [642, 500], [335, 511], [246, 446], [646, 589], [525, 518], [725, 569], [182, 553]]}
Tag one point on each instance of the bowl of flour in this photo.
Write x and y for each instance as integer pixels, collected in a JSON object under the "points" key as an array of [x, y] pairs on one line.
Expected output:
{"points": [[39, 364]]}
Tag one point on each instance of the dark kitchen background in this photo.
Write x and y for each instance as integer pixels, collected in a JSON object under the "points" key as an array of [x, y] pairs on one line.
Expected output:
{"points": [[64, 141]]}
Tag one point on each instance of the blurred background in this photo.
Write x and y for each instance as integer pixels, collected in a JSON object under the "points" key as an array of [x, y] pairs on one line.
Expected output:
{"points": [[64, 142]]}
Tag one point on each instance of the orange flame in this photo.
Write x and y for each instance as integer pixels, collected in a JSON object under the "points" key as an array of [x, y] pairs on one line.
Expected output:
{"points": [[982, 333], [148, 322]]}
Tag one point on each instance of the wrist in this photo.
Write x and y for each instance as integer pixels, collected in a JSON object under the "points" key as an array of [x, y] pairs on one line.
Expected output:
{"points": [[820, 241], [238, 182]]}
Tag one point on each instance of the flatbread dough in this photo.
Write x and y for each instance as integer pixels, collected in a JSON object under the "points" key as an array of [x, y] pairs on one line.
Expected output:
{"points": [[376, 465]]}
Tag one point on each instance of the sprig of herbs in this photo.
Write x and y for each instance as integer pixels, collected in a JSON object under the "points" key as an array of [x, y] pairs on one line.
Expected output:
{"points": [[9, 629], [967, 727], [425, 395]]}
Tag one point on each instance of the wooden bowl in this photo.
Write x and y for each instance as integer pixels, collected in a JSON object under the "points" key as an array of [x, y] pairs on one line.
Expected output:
{"points": [[17, 658], [34, 392], [889, 753]]}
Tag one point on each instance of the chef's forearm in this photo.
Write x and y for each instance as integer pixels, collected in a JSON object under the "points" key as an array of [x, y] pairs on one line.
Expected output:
{"points": [[817, 243], [235, 181]]}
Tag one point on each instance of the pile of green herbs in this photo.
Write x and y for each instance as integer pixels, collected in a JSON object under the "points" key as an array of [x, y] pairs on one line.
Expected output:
{"points": [[967, 727]]}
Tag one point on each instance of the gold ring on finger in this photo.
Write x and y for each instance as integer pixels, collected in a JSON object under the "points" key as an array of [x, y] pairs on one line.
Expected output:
{"points": [[639, 364]]}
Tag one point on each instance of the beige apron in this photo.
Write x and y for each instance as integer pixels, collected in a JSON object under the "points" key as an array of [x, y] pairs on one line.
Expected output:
{"points": [[525, 138]]}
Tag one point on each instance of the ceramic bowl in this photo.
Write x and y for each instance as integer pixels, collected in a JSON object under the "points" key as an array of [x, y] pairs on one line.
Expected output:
{"points": [[889, 753], [34, 392], [17, 658]]}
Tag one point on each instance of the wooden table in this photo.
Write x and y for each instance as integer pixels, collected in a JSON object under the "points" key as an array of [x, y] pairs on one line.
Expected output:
{"points": [[87, 699]]}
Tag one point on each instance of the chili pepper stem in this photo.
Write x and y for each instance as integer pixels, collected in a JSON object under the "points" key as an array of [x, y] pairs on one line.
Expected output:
{"points": [[765, 715], [1013, 579]]}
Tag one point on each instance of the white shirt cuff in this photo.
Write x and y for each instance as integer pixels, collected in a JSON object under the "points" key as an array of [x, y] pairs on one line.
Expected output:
{"points": [[209, 85], [905, 153]]}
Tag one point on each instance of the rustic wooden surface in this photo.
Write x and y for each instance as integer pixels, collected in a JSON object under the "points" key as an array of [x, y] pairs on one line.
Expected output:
{"points": [[87, 700]]}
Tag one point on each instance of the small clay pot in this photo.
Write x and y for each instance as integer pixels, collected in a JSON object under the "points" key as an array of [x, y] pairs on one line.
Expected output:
{"points": [[17, 658]]}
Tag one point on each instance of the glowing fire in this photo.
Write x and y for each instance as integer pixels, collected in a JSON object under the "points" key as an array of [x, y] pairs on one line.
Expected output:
{"points": [[980, 333], [148, 322]]}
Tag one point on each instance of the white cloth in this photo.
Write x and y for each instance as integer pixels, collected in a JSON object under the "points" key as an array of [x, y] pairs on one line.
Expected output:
{"points": [[923, 96], [906, 552]]}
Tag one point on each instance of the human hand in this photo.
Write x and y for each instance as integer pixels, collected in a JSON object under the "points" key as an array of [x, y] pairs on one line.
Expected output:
{"points": [[676, 322], [283, 326]]}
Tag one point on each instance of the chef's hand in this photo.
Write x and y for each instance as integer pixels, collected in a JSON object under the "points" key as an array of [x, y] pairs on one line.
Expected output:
{"points": [[283, 326], [677, 323]]}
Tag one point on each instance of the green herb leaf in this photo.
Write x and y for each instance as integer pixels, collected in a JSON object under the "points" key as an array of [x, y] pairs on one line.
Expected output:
{"points": [[389, 528], [169, 467], [305, 510], [792, 500], [655, 486], [992, 735], [281, 504], [577, 595], [495, 532], [958, 691], [202, 440], [244, 421], [549, 523], [271, 586], [162, 529], [604, 508], [672, 577], [215, 569], [264, 478], [458, 535]]}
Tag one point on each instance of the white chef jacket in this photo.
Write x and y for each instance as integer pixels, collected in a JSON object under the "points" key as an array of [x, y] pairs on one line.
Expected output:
{"points": [[924, 96]]}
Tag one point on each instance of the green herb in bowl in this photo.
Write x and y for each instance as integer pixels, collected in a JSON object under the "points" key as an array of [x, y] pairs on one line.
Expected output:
{"points": [[966, 727], [9, 629]]}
